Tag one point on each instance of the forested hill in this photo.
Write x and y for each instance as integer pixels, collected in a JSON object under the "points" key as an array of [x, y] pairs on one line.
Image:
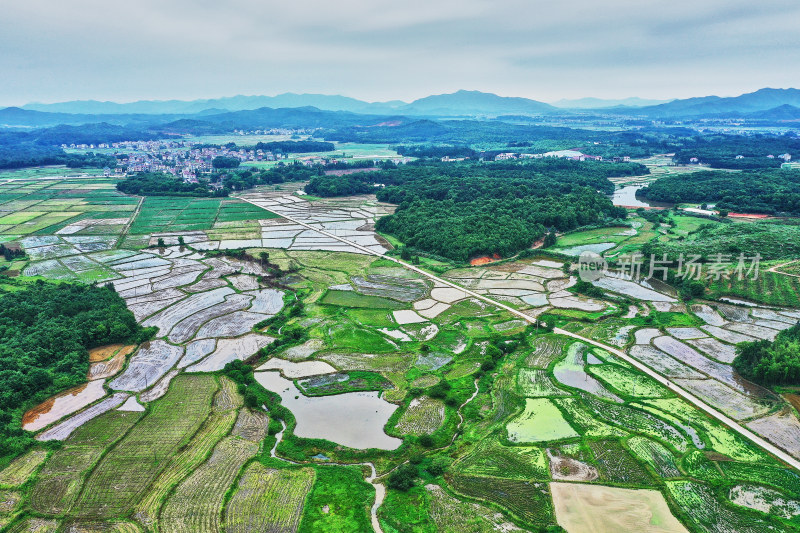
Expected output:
{"points": [[560, 174], [462, 210], [767, 191]]}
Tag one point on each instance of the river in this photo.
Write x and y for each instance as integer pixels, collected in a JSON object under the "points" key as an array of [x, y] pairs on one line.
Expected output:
{"points": [[626, 197]]}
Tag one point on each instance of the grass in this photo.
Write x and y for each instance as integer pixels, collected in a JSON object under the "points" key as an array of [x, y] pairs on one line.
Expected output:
{"points": [[359, 340], [406, 511], [592, 236], [339, 501]]}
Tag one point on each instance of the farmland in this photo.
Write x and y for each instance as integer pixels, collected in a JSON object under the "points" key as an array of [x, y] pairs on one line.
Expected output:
{"points": [[472, 418]]}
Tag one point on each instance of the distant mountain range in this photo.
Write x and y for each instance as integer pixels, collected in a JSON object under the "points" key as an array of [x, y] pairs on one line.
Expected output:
{"points": [[461, 103], [764, 104], [599, 103], [746, 104]]}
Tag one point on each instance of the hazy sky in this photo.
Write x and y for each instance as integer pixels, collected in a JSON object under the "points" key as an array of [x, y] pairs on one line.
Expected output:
{"points": [[381, 50]]}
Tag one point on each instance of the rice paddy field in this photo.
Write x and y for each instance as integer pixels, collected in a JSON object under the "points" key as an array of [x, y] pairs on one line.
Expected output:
{"points": [[498, 424]]}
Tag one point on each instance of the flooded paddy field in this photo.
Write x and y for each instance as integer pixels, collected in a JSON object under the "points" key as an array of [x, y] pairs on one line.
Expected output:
{"points": [[514, 427]]}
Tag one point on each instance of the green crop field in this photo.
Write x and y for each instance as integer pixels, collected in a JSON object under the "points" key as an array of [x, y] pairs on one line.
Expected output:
{"points": [[121, 478]]}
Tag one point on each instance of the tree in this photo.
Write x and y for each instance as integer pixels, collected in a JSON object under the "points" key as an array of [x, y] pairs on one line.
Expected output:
{"points": [[770, 363], [403, 477], [224, 162], [549, 239], [161, 242], [437, 467]]}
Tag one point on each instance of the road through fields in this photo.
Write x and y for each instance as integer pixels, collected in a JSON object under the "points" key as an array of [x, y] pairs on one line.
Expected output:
{"points": [[689, 397]]}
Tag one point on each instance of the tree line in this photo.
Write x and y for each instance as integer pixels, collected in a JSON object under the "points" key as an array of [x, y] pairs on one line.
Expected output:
{"points": [[771, 363], [765, 191]]}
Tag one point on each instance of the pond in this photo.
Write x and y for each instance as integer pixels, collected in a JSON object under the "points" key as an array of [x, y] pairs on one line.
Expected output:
{"points": [[352, 419], [626, 196]]}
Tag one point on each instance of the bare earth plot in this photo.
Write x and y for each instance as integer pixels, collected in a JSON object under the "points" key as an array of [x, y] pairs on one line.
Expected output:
{"points": [[599, 509]]}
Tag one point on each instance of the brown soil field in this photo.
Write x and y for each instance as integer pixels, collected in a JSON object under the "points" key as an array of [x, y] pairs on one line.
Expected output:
{"points": [[102, 353], [107, 368], [793, 399], [598, 509]]}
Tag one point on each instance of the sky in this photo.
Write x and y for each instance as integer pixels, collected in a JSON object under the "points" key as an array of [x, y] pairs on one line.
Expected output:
{"points": [[394, 50]]}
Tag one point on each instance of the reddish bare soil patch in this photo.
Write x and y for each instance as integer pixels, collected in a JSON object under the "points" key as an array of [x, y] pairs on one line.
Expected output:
{"points": [[747, 215], [793, 399], [101, 353], [106, 369], [485, 260], [62, 404]]}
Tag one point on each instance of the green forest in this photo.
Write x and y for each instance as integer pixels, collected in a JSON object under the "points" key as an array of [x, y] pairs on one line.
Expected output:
{"points": [[296, 147], [346, 185], [461, 210], [160, 184], [464, 210], [766, 191], [720, 151], [47, 329], [771, 363]]}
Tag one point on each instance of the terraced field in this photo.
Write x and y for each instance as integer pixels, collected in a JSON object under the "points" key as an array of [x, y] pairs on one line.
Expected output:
{"points": [[493, 419], [268, 499]]}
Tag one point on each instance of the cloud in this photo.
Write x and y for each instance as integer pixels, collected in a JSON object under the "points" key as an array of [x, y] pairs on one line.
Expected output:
{"points": [[377, 50]]}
